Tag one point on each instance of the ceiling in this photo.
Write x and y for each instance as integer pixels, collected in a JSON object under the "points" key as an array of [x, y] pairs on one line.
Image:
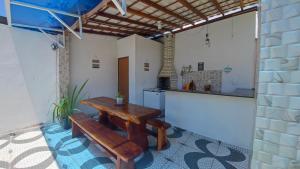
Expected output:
{"points": [[144, 16]]}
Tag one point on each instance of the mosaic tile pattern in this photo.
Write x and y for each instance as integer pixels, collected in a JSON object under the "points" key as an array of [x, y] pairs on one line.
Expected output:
{"points": [[201, 78], [26, 149], [52, 147]]}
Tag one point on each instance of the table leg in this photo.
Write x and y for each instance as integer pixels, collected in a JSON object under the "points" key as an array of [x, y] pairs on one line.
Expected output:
{"points": [[107, 120], [75, 130], [137, 134], [103, 117], [116, 122]]}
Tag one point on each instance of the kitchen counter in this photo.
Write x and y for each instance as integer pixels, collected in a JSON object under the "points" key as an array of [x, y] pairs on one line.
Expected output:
{"points": [[154, 90], [228, 117], [248, 93]]}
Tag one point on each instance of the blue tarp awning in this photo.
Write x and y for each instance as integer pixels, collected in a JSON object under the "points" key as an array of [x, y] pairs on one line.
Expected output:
{"points": [[2, 8], [40, 18]]}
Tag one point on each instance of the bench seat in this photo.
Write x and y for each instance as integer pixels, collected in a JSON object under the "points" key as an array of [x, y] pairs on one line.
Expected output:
{"points": [[122, 149], [161, 134]]}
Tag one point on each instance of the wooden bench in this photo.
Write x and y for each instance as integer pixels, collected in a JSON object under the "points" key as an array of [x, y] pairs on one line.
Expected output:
{"points": [[161, 135], [123, 150]]}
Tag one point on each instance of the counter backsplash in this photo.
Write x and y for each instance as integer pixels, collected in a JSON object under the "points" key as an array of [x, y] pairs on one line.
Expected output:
{"points": [[202, 78]]}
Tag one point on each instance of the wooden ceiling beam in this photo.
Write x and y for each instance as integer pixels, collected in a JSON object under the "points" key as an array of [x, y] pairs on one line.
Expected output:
{"points": [[208, 2], [144, 15], [141, 14], [100, 6], [242, 4], [219, 19], [211, 5], [193, 9], [138, 30], [124, 19], [217, 5], [99, 27], [165, 10], [103, 33]]}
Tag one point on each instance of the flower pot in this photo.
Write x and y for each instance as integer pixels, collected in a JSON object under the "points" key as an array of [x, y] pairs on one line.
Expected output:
{"points": [[120, 101], [65, 123]]}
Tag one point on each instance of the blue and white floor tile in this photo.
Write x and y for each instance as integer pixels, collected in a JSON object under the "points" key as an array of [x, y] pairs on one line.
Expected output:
{"points": [[151, 160], [5, 152], [186, 157], [53, 147], [172, 165], [191, 142], [171, 149], [26, 149], [178, 134], [235, 156]]}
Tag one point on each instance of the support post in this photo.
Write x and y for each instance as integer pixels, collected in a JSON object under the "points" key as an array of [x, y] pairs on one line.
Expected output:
{"points": [[121, 7], [53, 13], [8, 13], [64, 24]]}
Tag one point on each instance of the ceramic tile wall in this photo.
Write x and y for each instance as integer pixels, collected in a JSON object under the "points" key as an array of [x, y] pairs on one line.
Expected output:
{"points": [[277, 131], [201, 78]]}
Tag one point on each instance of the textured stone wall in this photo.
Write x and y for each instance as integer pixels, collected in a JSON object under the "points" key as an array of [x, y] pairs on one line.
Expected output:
{"points": [[63, 67], [277, 133]]}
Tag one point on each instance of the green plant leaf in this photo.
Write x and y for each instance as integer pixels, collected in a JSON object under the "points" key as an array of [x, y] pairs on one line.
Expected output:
{"points": [[68, 103]]}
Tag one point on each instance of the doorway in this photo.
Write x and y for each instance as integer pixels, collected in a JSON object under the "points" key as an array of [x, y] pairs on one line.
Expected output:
{"points": [[123, 77]]}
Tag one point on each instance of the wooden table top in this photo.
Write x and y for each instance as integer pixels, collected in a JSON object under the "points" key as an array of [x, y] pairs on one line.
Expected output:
{"points": [[130, 112]]}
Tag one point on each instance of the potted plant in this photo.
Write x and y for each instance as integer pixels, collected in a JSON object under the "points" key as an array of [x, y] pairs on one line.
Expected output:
{"points": [[67, 105], [120, 99]]}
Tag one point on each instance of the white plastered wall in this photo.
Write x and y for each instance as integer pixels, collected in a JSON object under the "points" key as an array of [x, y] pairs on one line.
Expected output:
{"points": [[140, 50], [232, 44], [27, 78], [102, 81]]}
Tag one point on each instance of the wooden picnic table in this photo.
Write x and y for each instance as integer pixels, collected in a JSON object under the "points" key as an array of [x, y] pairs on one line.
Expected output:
{"points": [[130, 117]]}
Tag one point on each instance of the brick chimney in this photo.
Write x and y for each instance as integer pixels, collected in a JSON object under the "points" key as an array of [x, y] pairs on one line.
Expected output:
{"points": [[168, 69]]}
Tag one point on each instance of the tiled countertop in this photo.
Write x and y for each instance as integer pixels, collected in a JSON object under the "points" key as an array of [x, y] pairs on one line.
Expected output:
{"points": [[248, 93]]}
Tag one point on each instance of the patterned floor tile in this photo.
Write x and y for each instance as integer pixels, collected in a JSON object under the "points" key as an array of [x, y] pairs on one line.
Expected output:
{"points": [[218, 165], [27, 149], [230, 156], [191, 142], [76, 152], [171, 165], [152, 142], [53, 147], [5, 152], [172, 147], [189, 158], [243, 150], [151, 160], [178, 134]]}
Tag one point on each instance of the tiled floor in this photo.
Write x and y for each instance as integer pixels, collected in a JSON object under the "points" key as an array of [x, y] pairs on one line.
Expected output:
{"points": [[52, 147]]}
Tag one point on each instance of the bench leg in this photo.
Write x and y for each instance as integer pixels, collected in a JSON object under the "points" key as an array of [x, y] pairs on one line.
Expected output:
{"points": [[75, 131], [123, 165], [137, 134], [161, 138]]}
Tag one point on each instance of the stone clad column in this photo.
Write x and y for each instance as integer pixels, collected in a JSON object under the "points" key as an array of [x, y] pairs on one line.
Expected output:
{"points": [[63, 67], [277, 131]]}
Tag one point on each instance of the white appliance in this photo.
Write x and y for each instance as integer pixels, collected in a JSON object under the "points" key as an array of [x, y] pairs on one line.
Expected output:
{"points": [[154, 98]]}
